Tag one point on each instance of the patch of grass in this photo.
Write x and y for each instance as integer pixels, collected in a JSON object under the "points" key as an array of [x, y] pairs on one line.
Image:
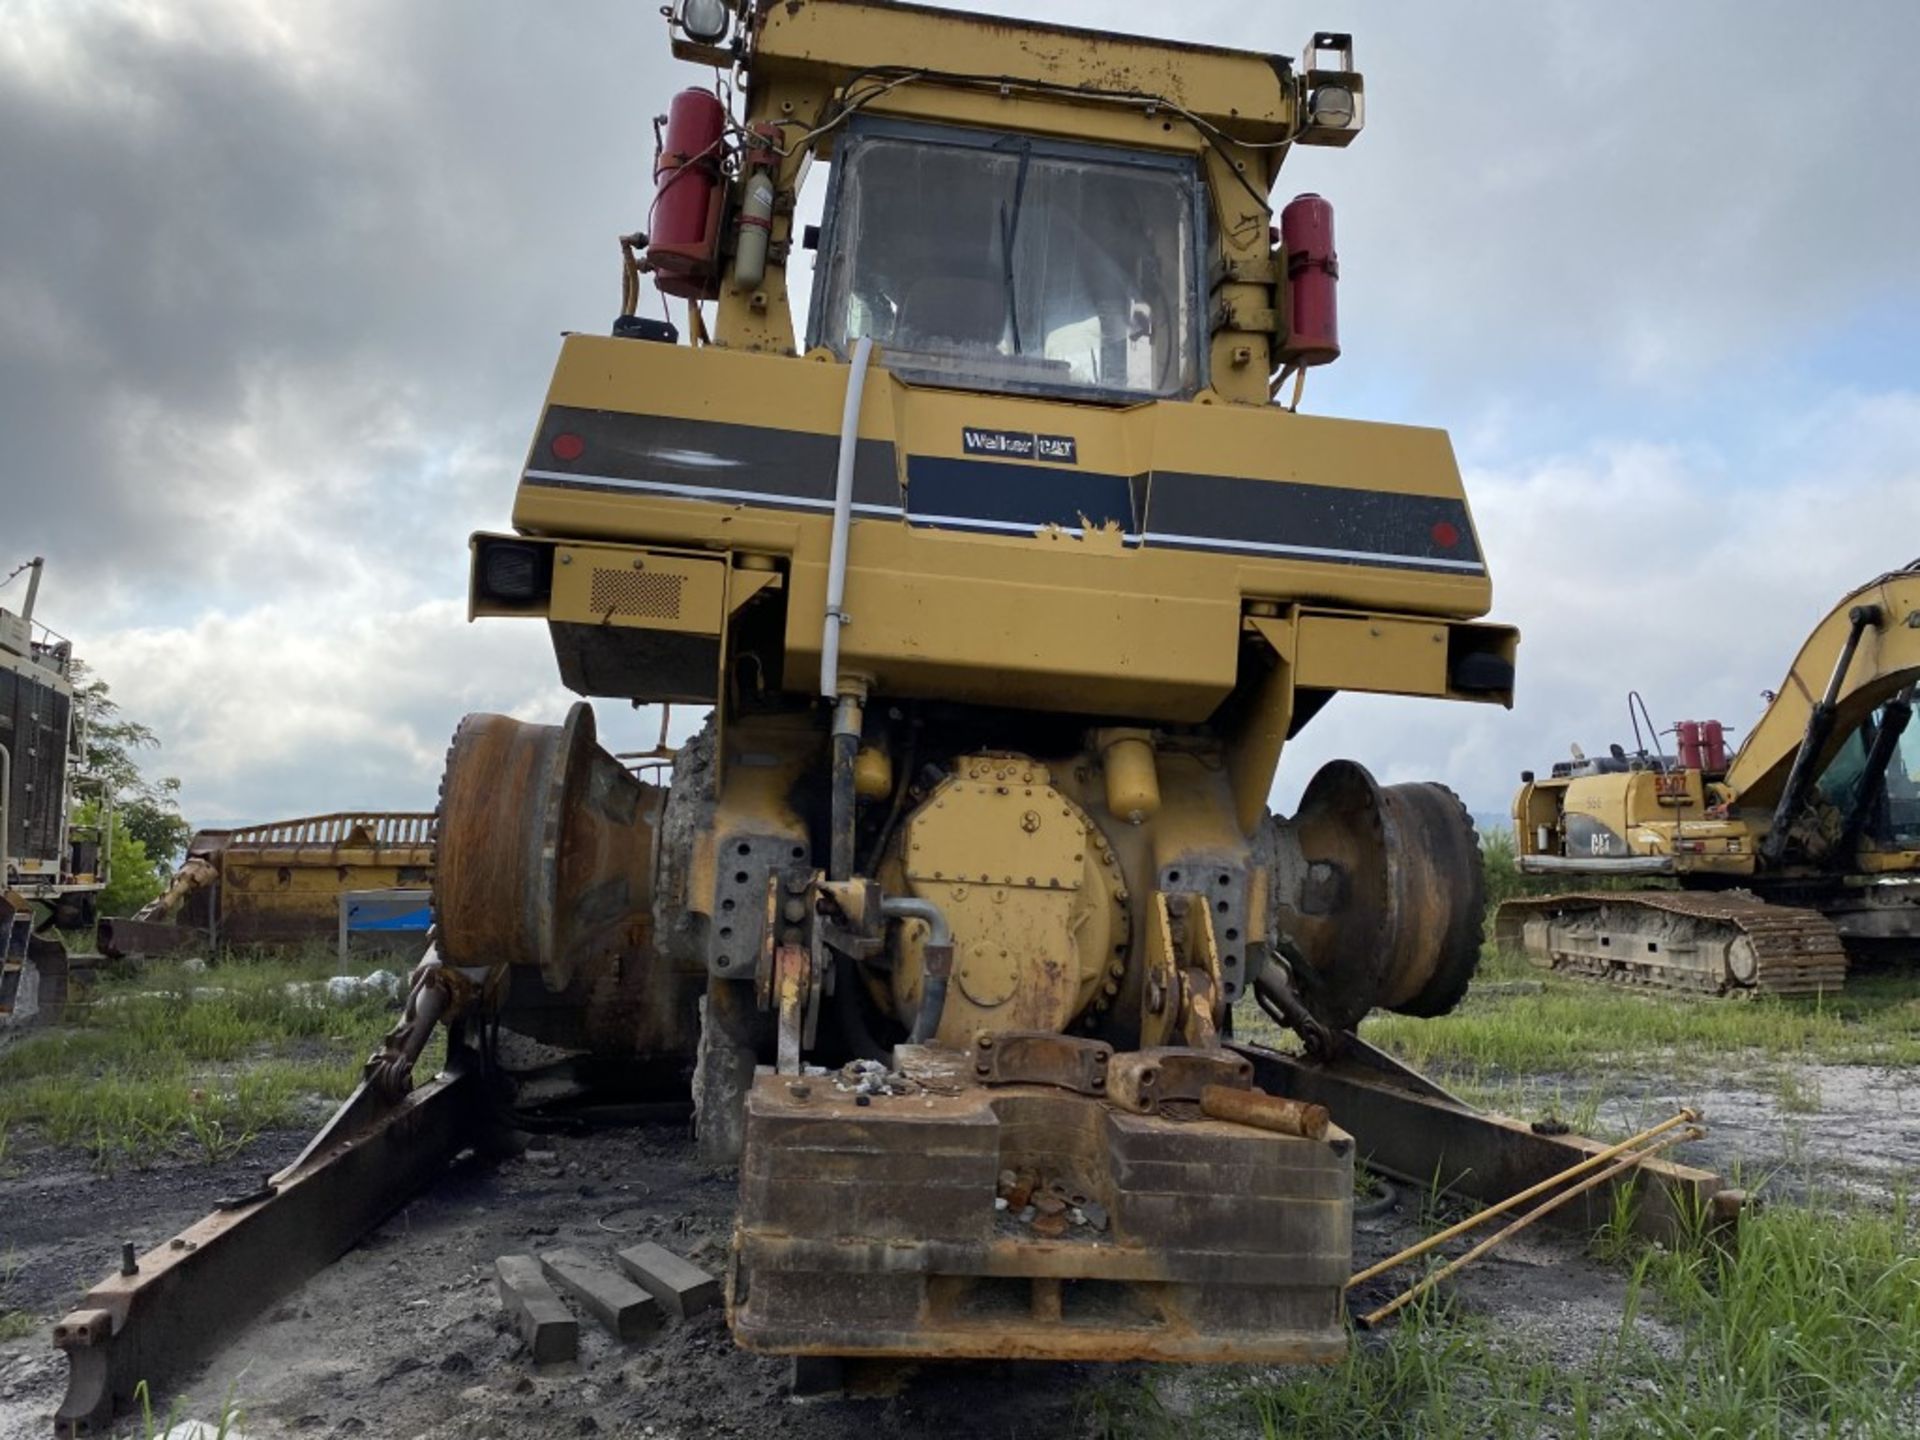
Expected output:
{"points": [[1566, 1024], [157, 1427], [1797, 1091], [14, 1324], [1437, 1374], [1811, 1328], [1123, 1406], [170, 1061]]}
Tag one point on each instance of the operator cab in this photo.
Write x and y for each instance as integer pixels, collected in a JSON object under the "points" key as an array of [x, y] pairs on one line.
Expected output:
{"points": [[1010, 262]]}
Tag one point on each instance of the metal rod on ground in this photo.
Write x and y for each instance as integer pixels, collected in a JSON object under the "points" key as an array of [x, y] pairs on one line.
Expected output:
{"points": [[1506, 1232], [1600, 1157]]}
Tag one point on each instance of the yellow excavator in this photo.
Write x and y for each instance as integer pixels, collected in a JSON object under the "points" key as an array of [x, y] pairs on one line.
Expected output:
{"points": [[1004, 582], [1799, 852]]}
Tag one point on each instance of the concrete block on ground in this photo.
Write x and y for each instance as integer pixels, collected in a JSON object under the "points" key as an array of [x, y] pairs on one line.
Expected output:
{"points": [[680, 1285], [616, 1302], [541, 1317]]}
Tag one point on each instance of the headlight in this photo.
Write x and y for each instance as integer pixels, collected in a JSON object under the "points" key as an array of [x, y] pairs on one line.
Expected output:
{"points": [[705, 20]]}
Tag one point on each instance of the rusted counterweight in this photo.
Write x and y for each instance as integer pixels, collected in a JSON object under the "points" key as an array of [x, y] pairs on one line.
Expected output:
{"points": [[868, 1226]]}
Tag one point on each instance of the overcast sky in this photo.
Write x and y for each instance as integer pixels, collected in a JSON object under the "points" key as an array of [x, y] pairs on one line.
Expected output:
{"points": [[281, 286]]}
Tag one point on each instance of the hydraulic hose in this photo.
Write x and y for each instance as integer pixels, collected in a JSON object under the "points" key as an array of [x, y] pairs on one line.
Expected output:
{"points": [[1820, 723], [938, 963], [836, 614], [846, 745]]}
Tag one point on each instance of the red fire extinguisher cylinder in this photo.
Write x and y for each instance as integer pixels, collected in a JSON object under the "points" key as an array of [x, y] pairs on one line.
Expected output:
{"points": [[1713, 746], [1313, 273], [683, 234], [1688, 734]]}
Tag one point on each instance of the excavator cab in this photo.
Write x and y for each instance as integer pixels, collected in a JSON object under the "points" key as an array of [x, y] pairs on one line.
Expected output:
{"points": [[1001, 261], [1885, 789]]}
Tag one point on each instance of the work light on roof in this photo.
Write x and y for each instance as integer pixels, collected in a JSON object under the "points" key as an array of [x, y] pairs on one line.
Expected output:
{"points": [[705, 20]]}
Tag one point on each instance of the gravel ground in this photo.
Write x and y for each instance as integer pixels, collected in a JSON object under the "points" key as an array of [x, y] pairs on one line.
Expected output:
{"points": [[405, 1335]]}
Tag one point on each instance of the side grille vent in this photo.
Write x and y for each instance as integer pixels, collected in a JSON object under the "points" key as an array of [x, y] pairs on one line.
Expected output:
{"points": [[646, 595]]}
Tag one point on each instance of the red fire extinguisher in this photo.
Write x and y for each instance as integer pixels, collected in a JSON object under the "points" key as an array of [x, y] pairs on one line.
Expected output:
{"points": [[1313, 273], [683, 232]]}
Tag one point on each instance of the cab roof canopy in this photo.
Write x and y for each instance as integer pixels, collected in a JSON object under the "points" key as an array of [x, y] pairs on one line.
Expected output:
{"points": [[1247, 96]]}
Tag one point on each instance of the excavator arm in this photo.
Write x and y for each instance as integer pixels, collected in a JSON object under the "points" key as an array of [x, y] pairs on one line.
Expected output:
{"points": [[1863, 655]]}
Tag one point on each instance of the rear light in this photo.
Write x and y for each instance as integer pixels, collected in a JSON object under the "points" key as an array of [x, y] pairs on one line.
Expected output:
{"points": [[567, 446], [510, 572]]}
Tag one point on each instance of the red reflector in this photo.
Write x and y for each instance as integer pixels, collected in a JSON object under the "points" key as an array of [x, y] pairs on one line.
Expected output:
{"points": [[567, 447], [1445, 533]]}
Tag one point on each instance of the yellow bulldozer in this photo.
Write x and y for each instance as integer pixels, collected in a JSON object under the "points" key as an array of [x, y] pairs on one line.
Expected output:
{"points": [[1005, 582], [1799, 852]]}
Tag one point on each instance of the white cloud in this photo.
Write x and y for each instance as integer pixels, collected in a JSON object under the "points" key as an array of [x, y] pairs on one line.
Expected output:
{"points": [[1636, 566], [283, 284]]}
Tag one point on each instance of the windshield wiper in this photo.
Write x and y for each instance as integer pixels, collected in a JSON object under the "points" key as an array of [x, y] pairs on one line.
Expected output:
{"points": [[1009, 224]]}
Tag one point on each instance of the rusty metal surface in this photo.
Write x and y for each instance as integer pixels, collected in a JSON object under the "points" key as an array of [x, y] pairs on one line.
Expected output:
{"points": [[1391, 910], [544, 848], [124, 938], [183, 1297], [873, 1229], [544, 869], [1432, 1144], [1266, 1112], [1783, 949], [1144, 1080], [1040, 1057]]}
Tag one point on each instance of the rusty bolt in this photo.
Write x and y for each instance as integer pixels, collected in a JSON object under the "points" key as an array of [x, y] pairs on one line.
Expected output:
{"points": [[983, 1042], [799, 1090], [795, 911]]}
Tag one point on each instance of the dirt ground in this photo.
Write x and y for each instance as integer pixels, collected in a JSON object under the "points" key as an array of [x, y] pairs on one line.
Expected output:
{"points": [[405, 1335], [1827, 1129]]}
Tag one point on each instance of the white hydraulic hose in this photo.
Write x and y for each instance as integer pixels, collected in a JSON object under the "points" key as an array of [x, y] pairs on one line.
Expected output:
{"points": [[836, 615]]}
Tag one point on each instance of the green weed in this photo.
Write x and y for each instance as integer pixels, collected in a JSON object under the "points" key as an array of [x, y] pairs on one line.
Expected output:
{"points": [[1810, 1326], [1564, 1025], [14, 1324], [169, 1062]]}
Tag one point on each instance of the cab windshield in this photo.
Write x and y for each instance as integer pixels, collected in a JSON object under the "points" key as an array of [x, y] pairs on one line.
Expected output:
{"points": [[1894, 814], [1007, 263]]}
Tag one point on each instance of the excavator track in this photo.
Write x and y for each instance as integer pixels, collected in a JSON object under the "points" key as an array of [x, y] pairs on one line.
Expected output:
{"points": [[1722, 943]]}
